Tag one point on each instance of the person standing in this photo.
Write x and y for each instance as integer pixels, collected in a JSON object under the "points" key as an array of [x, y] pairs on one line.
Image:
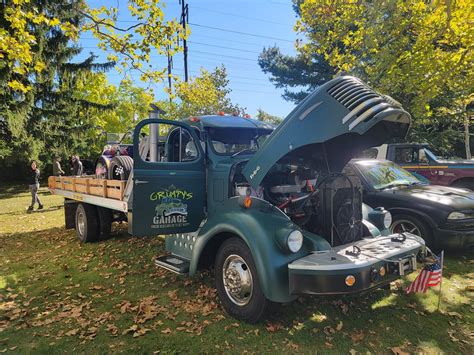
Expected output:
{"points": [[76, 166], [57, 171], [34, 186]]}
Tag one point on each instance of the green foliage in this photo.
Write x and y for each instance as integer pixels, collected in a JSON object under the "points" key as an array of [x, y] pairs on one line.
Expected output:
{"points": [[127, 103], [266, 117], [43, 120], [205, 94], [132, 46], [305, 73], [420, 52]]}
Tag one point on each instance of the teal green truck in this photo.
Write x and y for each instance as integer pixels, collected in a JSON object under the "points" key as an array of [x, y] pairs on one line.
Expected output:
{"points": [[271, 210]]}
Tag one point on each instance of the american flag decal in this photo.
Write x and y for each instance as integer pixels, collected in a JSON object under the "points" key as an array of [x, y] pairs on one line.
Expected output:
{"points": [[430, 276]]}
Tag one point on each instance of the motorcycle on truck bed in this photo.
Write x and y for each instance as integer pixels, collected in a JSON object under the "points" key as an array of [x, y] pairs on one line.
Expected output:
{"points": [[271, 210]]}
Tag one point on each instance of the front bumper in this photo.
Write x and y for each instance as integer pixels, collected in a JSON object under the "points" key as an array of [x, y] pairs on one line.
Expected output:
{"points": [[324, 273], [454, 239]]}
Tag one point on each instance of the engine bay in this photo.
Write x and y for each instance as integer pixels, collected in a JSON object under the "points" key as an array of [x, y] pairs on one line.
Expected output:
{"points": [[319, 201]]}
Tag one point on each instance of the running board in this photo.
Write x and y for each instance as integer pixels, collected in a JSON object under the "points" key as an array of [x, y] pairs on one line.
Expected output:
{"points": [[173, 263]]}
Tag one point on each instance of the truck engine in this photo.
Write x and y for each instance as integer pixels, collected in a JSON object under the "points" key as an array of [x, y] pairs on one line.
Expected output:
{"points": [[322, 202]]}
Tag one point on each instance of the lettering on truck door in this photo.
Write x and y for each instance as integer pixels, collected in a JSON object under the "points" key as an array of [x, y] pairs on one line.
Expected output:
{"points": [[169, 180]]}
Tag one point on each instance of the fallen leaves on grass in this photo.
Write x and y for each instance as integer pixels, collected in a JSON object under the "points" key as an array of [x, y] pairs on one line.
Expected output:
{"points": [[398, 351]]}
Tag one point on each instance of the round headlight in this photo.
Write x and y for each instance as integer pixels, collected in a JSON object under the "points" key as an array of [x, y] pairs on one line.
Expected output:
{"points": [[295, 241], [387, 220]]}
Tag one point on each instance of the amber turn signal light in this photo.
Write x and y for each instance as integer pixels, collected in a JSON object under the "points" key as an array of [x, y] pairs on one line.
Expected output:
{"points": [[350, 280], [247, 202]]}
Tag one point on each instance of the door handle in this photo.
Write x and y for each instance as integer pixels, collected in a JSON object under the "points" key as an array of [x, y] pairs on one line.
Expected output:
{"points": [[141, 182]]}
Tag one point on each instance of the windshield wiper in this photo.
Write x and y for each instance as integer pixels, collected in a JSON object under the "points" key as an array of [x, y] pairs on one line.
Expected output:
{"points": [[390, 186]]}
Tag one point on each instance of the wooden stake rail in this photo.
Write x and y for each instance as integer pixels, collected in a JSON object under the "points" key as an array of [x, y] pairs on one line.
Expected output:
{"points": [[97, 187]]}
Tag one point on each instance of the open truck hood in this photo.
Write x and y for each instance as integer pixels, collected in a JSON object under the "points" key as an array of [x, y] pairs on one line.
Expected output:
{"points": [[343, 117]]}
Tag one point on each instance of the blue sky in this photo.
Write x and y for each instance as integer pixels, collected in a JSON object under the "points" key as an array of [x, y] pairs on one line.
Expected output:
{"points": [[211, 47]]}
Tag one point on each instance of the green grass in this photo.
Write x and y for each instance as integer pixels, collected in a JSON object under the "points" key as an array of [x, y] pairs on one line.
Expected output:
{"points": [[57, 295]]}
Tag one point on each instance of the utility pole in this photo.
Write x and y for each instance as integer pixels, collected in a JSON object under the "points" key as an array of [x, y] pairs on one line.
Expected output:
{"points": [[184, 22], [170, 66]]}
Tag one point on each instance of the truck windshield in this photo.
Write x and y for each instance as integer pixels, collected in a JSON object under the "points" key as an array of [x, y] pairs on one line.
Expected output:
{"points": [[384, 174], [231, 140]]}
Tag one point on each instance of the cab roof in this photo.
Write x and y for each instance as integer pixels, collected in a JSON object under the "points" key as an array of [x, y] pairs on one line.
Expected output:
{"points": [[226, 121]]}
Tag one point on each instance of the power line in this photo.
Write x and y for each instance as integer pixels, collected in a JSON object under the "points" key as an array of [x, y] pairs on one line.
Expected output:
{"points": [[224, 47], [241, 33], [227, 56], [239, 16]]}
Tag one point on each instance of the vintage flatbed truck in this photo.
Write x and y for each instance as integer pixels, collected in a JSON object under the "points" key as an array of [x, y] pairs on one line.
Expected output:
{"points": [[271, 210]]}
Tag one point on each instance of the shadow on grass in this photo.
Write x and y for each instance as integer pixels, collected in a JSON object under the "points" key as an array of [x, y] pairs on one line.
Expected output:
{"points": [[25, 211]]}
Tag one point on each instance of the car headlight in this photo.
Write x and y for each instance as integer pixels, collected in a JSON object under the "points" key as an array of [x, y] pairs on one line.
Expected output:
{"points": [[295, 241], [387, 219], [380, 218], [456, 215]]}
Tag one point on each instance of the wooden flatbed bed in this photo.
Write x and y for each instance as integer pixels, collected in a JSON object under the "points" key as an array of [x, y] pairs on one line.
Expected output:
{"points": [[101, 192]]}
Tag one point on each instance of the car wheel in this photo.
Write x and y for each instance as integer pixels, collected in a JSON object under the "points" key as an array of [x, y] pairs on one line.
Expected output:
{"points": [[237, 282], [102, 167], [415, 225], [87, 223]]}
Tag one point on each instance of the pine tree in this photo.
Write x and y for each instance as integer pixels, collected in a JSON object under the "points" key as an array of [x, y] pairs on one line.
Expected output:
{"points": [[44, 120]]}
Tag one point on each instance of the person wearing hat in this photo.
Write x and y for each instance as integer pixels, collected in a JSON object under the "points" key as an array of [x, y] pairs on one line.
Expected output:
{"points": [[57, 170], [34, 186]]}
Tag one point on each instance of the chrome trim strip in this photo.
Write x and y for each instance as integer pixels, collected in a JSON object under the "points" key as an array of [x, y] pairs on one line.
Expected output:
{"points": [[370, 111], [361, 106]]}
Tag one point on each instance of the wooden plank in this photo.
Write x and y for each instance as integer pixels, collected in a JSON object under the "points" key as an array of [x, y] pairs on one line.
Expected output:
{"points": [[104, 185], [88, 191], [114, 193]]}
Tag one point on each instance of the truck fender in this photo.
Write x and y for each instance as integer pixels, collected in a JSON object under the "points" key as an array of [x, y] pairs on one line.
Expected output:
{"points": [[257, 230]]}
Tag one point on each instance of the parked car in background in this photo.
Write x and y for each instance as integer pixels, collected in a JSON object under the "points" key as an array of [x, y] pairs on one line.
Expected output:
{"points": [[442, 216], [422, 162]]}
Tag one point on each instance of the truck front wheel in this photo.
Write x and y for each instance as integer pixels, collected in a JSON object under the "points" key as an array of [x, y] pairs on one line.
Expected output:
{"points": [[237, 282], [87, 223]]}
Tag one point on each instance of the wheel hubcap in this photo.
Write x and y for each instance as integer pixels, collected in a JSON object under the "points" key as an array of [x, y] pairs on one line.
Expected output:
{"points": [[402, 226], [81, 223], [238, 282]]}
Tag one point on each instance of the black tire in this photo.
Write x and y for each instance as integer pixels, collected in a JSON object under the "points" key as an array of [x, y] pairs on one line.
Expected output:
{"points": [[120, 167], [254, 307], [423, 229], [105, 222], [87, 223], [102, 167]]}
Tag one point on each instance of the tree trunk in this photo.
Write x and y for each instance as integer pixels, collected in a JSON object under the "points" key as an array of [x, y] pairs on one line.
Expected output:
{"points": [[467, 136]]}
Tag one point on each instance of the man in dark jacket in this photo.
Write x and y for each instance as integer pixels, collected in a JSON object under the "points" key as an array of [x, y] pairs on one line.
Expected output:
{"points": [[34, 187], [76, 166], [57, 170]]}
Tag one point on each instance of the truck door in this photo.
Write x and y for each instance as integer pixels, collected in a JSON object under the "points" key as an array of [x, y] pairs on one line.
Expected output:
{"points": [[407, 158], [169, 178]]}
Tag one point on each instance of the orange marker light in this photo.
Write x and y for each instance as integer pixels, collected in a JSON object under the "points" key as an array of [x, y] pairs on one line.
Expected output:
{"points": [[247, 202], [221, 113], [247, 116], [194, 119], [350, 280]]}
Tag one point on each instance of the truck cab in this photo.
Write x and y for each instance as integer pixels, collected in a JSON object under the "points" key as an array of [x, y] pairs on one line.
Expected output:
{"points": [[272, 209], [424, 164]]}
